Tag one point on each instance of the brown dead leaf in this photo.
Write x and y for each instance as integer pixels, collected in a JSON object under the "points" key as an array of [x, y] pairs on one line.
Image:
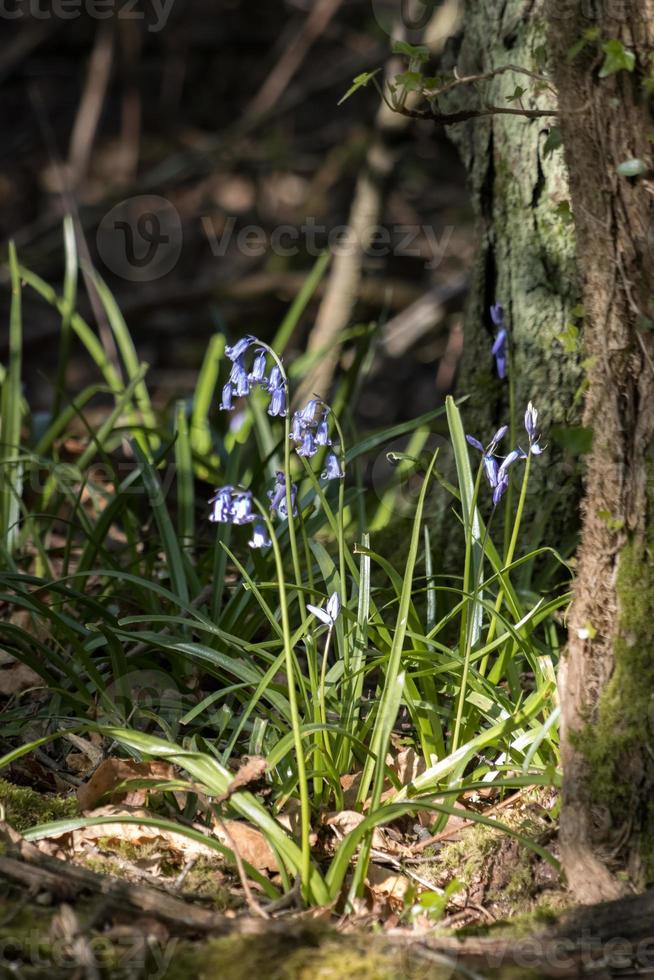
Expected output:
{"points": [[252, 770], [408, 765], [66, 844], [388, 887], [112, 772], [248, 841], [17, 678], [342, 823]]}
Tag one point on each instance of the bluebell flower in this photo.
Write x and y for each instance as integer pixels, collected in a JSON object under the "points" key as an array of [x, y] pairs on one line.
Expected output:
{"points": [[330, 613], [277, 406], [277, 497], [514, 455], [221, 506], [276, 379], [322, 433], [332, 470], [242, 512], [500, 489], [239, 348], [531, 423], [226, 401], [258, 372], [242, 384], [297, 427], [308, 447], [489, 462], [260, 538], [308, 413], [238, 371], [499, 352]]}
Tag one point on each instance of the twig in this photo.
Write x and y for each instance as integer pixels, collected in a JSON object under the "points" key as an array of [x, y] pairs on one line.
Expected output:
{"points": [[90, 108], [465, 824], [294, 54], [252, 903]]}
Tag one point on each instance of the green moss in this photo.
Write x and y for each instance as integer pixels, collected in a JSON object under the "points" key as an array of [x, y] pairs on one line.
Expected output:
{"points": [[24, 807], [616, 742], [305, 954]]}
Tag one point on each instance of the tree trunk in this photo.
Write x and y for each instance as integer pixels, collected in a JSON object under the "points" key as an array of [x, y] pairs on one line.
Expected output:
{"points": [[526, 253], [607, 678]]}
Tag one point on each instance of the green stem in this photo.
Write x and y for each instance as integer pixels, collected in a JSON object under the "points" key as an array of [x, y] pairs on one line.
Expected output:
{"points": [[508, 500], [512, 547], [305, 809], [323, 706]]}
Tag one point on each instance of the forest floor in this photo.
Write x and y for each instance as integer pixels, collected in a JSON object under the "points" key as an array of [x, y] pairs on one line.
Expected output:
{"points": [[130, 901]]}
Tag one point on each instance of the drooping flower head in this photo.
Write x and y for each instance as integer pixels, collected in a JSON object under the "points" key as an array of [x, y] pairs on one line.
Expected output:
{"points": [[260, 538], [491, 466], [277, 497], [310, 428], [531, 423], [231, 506], [243, 378], [330, 613], [332, 470]]}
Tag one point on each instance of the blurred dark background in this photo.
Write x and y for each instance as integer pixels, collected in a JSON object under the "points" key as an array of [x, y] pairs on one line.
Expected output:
{"points": [[203, 150]]}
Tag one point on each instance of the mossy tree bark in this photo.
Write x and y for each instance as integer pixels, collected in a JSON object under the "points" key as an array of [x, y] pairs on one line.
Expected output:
{"points": [[607, 677], [526, 250]]}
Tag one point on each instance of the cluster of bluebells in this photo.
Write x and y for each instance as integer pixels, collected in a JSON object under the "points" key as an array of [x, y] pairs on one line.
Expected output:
{"points": [[497, 473], [230, 505], [498, 350], [242, 380], [310, 432]]}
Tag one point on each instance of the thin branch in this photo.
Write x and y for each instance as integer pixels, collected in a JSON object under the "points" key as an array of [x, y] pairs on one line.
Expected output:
{"points": [[486, 77], [450, 118]]}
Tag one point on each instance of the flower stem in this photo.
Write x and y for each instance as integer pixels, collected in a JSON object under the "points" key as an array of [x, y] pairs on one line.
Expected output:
{"points": [[305, 807]]}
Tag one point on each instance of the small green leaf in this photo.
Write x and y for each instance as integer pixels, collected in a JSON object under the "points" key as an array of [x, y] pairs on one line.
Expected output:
{"points": [[632, 167], [412, 81], [564, 212], [415, 52], [618, 58], [359, 82], [569, 338], [519, 91], [553, 142]]}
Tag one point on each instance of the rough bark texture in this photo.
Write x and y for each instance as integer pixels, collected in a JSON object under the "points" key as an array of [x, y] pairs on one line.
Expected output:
{"points": [[526, 250], [607, 678]]}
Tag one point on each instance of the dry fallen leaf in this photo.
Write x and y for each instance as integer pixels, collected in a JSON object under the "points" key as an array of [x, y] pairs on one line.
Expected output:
{"points": [[388, 886], [67, 843], [112, 772], [248, 841], [342, 823], [17, 678]]}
